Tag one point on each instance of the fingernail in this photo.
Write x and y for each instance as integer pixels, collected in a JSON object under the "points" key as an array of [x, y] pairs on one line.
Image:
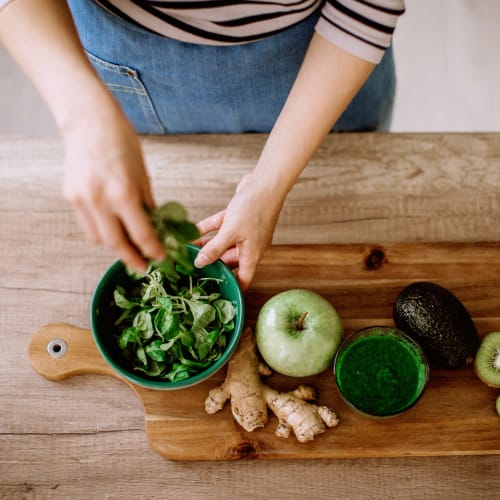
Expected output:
{"points": [[201, 260]]}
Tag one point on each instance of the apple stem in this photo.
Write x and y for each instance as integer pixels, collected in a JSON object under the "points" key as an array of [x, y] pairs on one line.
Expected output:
{"points": [[300, 323]]}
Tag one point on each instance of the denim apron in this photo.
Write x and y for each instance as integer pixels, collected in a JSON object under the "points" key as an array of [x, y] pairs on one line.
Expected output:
{"points": [[167, 86]]}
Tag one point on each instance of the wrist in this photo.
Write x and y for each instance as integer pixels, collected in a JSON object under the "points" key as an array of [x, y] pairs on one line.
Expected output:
{"points": [[86, 104], [275, 174]]}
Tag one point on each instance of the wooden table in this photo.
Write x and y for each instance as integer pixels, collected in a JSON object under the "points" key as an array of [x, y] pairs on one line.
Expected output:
{"points": [[84, 437]]}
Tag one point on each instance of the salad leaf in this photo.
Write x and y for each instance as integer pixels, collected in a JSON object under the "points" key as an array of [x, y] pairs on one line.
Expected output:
{"points": [[122, 301], [225, 310], [154, 350], [174, 230], [130, 334], [143, 322]]}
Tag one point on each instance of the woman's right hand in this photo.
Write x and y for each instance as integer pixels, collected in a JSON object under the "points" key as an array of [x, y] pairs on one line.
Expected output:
{"points": [[105, 176], [106, 181]]}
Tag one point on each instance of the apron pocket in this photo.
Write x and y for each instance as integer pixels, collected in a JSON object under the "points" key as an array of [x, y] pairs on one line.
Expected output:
{"points": [[125, 84]]}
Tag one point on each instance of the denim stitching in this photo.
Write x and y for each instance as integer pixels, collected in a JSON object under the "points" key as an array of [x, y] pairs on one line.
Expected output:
{"points": [[115, 68], [125, 88], [136, 88], [154, 115], [136, 82], [133, 81]]}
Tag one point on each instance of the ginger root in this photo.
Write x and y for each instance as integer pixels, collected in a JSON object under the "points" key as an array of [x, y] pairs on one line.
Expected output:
{"points": [[250, 398], [295, 413], [242, 386]]}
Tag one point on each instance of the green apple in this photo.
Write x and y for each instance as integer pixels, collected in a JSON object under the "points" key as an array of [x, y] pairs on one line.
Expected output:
{"points": [[298, 333]]}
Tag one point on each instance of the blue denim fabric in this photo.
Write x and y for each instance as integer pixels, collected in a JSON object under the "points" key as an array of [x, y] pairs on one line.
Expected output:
{"points": [[167, 86]]}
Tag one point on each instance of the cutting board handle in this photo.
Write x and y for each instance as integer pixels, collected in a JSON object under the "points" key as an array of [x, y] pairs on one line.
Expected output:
{"points": [[58, 351]]}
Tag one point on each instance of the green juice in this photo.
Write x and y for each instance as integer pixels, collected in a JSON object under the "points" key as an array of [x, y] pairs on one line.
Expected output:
{"points": [[380, 371]]}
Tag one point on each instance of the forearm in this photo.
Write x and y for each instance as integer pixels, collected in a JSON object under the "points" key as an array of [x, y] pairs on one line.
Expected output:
{"points": [[328, 80], [41, 37], [105, 176]]}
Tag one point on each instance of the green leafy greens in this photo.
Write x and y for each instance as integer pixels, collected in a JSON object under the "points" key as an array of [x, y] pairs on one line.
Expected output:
{"points": [[174, 230], [174, 322]]}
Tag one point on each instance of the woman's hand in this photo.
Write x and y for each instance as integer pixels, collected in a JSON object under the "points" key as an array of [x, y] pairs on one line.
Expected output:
{"points": [[107, 183], [105, 175], [244, 230]]}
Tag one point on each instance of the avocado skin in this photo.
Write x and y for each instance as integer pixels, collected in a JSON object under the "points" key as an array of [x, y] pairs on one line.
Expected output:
{"points": [[438, 321]]}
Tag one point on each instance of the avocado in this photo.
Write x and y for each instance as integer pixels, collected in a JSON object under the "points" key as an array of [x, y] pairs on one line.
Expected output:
{"points": [[438, 321]]}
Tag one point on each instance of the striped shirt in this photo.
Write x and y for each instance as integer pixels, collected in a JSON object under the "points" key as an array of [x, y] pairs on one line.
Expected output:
{"points": [[362, 27]]}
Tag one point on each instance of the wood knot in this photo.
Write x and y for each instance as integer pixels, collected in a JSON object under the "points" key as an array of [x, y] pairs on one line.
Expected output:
{"points": [[244, 450], [375, 259]]}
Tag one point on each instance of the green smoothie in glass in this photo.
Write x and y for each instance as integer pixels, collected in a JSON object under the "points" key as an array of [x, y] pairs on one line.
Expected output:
{"points": [[380, 371]]}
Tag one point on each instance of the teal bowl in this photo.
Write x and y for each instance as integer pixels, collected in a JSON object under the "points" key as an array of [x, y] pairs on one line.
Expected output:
{"points": [[104, 313]]}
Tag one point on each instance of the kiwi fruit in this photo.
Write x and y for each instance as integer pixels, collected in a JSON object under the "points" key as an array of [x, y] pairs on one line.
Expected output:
{"points": [[487, 360]]}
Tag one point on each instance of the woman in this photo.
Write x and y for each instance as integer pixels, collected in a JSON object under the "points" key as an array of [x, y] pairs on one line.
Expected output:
{"points": [[290, 68]]}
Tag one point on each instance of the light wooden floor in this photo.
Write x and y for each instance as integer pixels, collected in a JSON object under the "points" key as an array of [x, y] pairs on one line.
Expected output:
{"points": [[447, 58]]}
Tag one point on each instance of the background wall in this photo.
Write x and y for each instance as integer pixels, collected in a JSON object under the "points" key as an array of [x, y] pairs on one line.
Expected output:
{"points": [[447, 56]]}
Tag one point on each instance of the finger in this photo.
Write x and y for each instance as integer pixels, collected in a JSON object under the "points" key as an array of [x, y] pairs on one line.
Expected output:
{"points": [[148, 195], [211, 223], [246, 271], [140, 231], [87, 222], [203, 240], [231, 257], [213, 250], [113, 236]]}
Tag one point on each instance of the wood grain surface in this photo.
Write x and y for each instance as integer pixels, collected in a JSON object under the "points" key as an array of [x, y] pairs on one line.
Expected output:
{"points": [[84, 437]]}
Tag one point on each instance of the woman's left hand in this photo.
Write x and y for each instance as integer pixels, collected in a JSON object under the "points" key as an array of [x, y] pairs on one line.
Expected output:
{"points": [[244, 230]]}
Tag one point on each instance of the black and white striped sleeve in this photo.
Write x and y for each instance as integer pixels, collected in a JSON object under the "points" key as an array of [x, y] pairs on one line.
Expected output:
{"points": [[363, 28]]}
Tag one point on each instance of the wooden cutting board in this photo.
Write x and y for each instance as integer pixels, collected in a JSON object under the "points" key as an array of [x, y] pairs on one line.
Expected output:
{"points": [[455, 416]]}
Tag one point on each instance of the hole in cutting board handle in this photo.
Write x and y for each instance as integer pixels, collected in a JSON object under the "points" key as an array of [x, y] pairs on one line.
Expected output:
{"points": [[57, 348]]}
